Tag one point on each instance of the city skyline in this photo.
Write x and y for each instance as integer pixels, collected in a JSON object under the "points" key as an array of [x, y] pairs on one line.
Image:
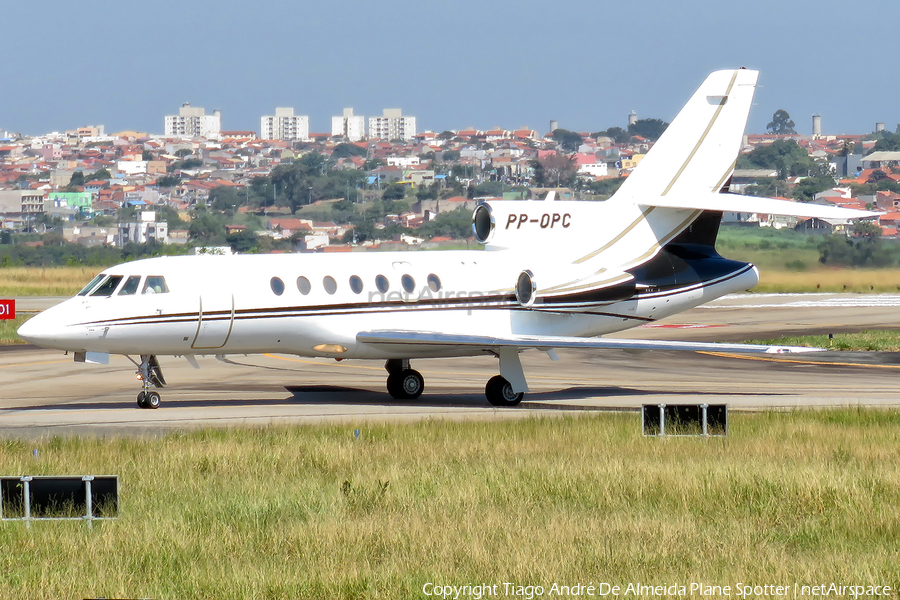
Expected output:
{"points": [[502, 63]]}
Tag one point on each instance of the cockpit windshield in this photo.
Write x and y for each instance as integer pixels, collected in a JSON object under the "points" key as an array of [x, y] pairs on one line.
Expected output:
{"points": [[108, 286], [90, 286], [155, 284], [131, 286]]}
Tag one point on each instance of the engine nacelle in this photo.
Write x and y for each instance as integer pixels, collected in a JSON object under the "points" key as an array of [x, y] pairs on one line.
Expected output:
{"points": [[565, 291]]}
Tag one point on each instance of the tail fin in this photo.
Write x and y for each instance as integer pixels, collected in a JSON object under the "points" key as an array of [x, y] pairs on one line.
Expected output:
{"points": [[698, 151]]}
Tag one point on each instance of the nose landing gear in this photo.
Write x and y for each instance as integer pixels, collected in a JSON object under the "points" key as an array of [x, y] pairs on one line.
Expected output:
{"points": [[150, 374]]}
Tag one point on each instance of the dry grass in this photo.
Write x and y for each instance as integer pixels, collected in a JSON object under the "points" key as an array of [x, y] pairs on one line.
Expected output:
{"points": [[309, 512], [823, 279], [49, 281]]}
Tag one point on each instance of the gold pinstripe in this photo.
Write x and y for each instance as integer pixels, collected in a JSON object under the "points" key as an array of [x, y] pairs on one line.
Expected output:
{"points": [[702, 137], [643, 216]]}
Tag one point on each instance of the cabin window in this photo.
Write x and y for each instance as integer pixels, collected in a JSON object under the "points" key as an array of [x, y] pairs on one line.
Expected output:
{"points": [[131, 286], [90, 286], [356, 284], [108, 286], [408, 283], [382, 283], [303, 285], [434, 283], [277, 286], [155, 284], [330, 284]]}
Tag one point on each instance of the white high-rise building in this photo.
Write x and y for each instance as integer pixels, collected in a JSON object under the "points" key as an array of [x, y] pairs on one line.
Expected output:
{"points": [[284, 125], [391, 126], [350, 126], [192, 121]]}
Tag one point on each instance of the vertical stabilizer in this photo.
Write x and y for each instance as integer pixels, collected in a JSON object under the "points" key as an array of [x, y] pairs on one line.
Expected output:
{"points": [[698, 151]]}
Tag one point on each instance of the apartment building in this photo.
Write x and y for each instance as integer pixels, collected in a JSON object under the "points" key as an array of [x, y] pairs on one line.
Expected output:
{"points": [[192, 121], [284, 125], [141, 232], [350, 126], [392, 125]]}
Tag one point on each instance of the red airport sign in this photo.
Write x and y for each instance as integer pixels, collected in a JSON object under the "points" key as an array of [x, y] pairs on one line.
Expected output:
{"points": [[7, 309]]}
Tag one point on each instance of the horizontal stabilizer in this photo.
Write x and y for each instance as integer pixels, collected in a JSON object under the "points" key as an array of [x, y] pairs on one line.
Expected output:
{"points": [[755, 204], [545, 342]]}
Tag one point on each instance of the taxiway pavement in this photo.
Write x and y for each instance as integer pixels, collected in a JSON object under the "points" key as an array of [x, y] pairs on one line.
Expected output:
{"points": [[44, 393]]}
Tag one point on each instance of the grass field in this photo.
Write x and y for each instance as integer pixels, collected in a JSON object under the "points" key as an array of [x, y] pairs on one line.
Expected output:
{"points": [[50, 281], [311, 512], [8, 330], [870, 340]]}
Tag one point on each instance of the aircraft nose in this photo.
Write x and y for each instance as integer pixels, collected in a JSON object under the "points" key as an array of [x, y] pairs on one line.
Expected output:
{"points": [[35, 330]]}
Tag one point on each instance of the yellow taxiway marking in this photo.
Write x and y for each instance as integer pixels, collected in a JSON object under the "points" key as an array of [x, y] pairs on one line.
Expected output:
{"points": [[49, 362], [799, 362]]}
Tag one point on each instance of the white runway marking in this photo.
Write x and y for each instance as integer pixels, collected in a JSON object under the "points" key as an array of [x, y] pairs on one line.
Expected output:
{"points": [[806, 301]]}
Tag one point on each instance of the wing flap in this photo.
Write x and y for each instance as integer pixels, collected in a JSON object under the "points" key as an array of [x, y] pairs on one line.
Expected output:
{"points": [[546, 342]]}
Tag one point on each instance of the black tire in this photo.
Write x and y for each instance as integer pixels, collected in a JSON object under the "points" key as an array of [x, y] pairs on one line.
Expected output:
{"points": [[152, 400], [499, 392], [405, 385], [141, 399], [394, 387]]}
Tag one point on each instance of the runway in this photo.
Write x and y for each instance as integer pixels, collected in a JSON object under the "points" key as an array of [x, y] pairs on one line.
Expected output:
{"points": [[44, 393]]}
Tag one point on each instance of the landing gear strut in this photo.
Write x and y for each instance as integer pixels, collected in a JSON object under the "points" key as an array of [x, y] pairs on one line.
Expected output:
{"points": [[150, 374], [403, 383]]}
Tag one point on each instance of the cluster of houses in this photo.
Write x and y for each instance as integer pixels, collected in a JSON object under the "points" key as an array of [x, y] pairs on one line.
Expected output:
{"points": [[36, 175]]}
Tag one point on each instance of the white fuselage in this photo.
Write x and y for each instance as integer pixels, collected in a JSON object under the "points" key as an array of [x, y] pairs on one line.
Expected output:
{"points": [[230, 305]]}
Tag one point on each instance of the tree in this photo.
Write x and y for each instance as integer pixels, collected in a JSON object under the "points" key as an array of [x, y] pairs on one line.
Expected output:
{"points": [[223, 198], [781, 123], [888, 142], [567, 140], [191, 163], [243, 242], [146, 155], [866, 229], [168, 181], [618, 135], [455, 224], [77, 179], [650, 129], [554, 170], [347, 150], [784, 156], [394, 191], [183, 152], [206, 227]]}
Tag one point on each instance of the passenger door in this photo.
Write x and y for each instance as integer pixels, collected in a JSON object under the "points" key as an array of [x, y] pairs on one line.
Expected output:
{"points": [[215, 321]]}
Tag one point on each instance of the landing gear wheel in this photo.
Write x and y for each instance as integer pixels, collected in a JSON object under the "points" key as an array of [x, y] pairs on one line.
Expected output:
{"points": [[142, 400], [499, 392], [152, 400], [405, 385]]}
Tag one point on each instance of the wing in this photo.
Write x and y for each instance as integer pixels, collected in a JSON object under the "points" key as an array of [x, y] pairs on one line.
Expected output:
{"points": [[549, 342]]}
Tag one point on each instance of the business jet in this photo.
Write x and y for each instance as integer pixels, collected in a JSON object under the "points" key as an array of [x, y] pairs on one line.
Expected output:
{"points": [[553, 274]]}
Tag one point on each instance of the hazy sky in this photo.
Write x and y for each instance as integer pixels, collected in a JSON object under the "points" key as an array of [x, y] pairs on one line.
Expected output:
{"points": [[480, 63]]}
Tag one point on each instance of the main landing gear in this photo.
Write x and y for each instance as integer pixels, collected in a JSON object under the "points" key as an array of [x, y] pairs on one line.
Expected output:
{"points": [[500, 392], [150, 374], [403, 383]]}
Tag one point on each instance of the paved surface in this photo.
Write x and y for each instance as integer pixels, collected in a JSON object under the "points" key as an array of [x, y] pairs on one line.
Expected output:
{"points": [[45, 393]]}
